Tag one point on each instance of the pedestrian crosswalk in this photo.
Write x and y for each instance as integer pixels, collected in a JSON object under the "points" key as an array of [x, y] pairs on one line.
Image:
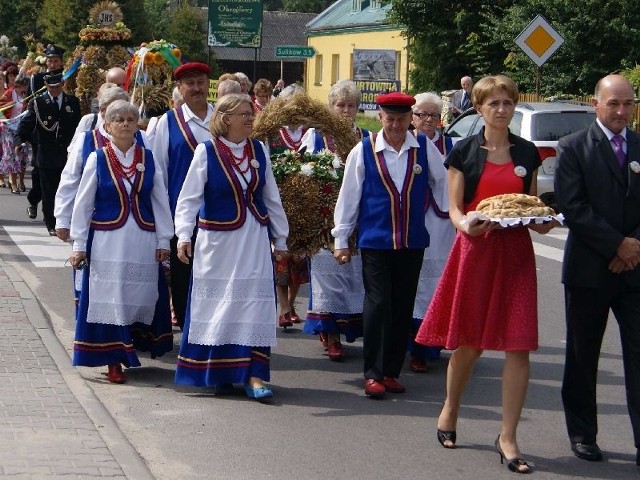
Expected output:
{"points": [[49, 252], [41, 249]]}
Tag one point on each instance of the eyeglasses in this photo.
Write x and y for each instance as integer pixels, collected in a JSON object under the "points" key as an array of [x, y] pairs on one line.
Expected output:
{"points": [[244, 115], [426, 115]]}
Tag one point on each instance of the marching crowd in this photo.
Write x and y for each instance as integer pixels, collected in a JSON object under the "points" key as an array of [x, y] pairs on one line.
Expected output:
{"points": [[185, 220]]}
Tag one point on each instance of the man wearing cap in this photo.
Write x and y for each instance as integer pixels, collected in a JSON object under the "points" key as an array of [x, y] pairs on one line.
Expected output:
{"points": [[51, 119], [53, 61], [385, 184], [176, 136]]}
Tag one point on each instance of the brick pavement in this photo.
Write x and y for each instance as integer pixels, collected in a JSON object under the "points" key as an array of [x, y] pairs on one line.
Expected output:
{"points": [[48, 416]]}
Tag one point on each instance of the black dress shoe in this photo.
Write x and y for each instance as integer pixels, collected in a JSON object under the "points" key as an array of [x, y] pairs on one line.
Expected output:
{"points": [[32, 211], [52, 232], [587, 451], [638, 457]]}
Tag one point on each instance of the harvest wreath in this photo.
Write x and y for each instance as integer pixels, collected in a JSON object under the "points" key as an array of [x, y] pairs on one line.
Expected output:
{"points": [[309, 183]]}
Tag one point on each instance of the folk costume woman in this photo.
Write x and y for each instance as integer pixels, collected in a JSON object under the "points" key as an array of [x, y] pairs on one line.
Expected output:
{"points": [[486, 298], [293, 271], [425, 118], [230, 324], [337, 291], [121, 227]]}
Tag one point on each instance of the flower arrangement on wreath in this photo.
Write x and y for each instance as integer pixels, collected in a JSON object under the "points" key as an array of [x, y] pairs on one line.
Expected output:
{"points": [[309, 183], [149, 75]]}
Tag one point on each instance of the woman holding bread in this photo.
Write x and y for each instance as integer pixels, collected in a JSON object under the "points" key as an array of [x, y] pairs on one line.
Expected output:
{"points": [[472, 309]]}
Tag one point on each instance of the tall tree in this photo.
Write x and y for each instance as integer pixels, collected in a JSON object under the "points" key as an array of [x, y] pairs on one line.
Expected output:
{"points": [[136, 19], [17, 19], [437, 30], [157, 12], [600, 38], [187, 29], [61, 20]]}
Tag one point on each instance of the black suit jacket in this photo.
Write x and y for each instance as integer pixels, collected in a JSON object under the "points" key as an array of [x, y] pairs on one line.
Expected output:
{"points": [[601, 205], [41, 116]]}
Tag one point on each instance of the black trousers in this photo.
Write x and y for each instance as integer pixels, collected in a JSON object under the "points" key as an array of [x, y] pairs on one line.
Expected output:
{"points": [[390, 283], [49, 181], [35, 194], [587, 310], [180, 280]]}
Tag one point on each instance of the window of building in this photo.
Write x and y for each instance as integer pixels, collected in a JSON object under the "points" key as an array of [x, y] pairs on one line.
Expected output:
{"points": [[335, 68], [318, 72]]}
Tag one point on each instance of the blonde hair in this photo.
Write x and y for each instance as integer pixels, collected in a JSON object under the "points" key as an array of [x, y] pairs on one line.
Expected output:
{"points": [[487, 85], [227, 104]]}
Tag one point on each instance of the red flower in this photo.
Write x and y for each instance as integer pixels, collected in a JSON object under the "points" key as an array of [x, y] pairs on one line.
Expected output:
{"points": [[327, 188], [325, 211]]}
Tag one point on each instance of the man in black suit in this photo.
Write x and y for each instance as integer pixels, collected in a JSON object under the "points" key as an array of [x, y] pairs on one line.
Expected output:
{"points": [[53, 116], [461, 100], [53, 61], [597, 185]]}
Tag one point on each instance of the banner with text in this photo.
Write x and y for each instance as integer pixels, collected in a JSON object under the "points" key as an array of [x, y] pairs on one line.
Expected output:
{"points": [[372, 88], [235, 23]]}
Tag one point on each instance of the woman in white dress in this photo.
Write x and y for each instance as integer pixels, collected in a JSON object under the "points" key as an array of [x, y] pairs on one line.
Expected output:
{"points": [[230, 324], [121, 226]]}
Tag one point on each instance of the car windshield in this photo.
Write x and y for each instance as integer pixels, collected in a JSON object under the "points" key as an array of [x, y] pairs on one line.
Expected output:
{"points": [[555, 125]]}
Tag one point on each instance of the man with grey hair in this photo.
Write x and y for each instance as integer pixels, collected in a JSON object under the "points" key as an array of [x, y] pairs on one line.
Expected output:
{"points": [[461, 100]]}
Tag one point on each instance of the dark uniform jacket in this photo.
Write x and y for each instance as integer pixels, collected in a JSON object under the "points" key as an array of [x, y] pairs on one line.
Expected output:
{"points": [[52, 130]]}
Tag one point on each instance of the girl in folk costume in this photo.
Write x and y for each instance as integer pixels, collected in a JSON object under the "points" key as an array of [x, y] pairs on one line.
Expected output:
{"points": [[121, 227], [230, 324], [291, 272], [337, 292]]}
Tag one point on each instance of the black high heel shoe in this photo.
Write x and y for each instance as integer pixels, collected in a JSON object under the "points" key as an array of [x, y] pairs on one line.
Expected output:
{"points": [[447, 436], [513, 464]]}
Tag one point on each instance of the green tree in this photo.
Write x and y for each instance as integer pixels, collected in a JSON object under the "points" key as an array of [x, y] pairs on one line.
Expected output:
{"points": [[187, 29], [445, 39], [600, 38], [17, 19], [137, 20], [61, 20], [158, 17]]}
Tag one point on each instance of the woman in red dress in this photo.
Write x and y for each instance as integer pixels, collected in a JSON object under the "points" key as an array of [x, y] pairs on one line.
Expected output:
{"points": [[486, 298]]}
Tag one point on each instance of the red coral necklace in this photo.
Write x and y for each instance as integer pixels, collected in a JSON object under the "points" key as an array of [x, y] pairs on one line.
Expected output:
{"points": [[237, 161], [288, 141], [120, 169]]}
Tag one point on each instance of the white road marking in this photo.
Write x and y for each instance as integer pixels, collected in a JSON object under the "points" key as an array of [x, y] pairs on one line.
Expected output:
{"points": [[42, 250], [560, 233], [546, 251]]}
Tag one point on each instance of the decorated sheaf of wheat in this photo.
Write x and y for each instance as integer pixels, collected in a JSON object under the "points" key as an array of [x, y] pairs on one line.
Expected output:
{"points": [[300, 109]]}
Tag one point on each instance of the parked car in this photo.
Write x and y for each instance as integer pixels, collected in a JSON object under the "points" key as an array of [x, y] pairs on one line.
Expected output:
{"points": [[543, 124]]}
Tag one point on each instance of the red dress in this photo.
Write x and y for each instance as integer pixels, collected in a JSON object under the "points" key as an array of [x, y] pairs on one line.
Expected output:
{"points": [[487, 295]]}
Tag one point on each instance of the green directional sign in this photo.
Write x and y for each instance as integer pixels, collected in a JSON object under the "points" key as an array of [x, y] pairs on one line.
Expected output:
{"points": [[294, 51]]}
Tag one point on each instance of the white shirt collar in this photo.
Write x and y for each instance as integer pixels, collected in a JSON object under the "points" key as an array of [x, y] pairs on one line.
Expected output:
{"points": [[609, 133], [409, 142], [189, 115]]}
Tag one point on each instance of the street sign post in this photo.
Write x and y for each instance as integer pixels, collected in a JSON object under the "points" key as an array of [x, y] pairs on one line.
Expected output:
{"points": [[294, 51], [539, 41]]}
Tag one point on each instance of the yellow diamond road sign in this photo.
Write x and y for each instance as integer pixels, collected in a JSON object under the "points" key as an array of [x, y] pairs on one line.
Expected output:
{"points": [[539, 40]]}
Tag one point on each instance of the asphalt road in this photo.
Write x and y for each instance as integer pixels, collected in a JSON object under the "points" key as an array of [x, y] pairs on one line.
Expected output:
{"points": [[320, 425]]}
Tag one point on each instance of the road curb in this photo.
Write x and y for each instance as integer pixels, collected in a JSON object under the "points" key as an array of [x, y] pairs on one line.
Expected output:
{"points": [[122, 450]]}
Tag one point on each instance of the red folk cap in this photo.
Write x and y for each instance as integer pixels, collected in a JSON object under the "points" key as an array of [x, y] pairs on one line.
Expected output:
{"points": [[395, 102], [191, 68]]}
